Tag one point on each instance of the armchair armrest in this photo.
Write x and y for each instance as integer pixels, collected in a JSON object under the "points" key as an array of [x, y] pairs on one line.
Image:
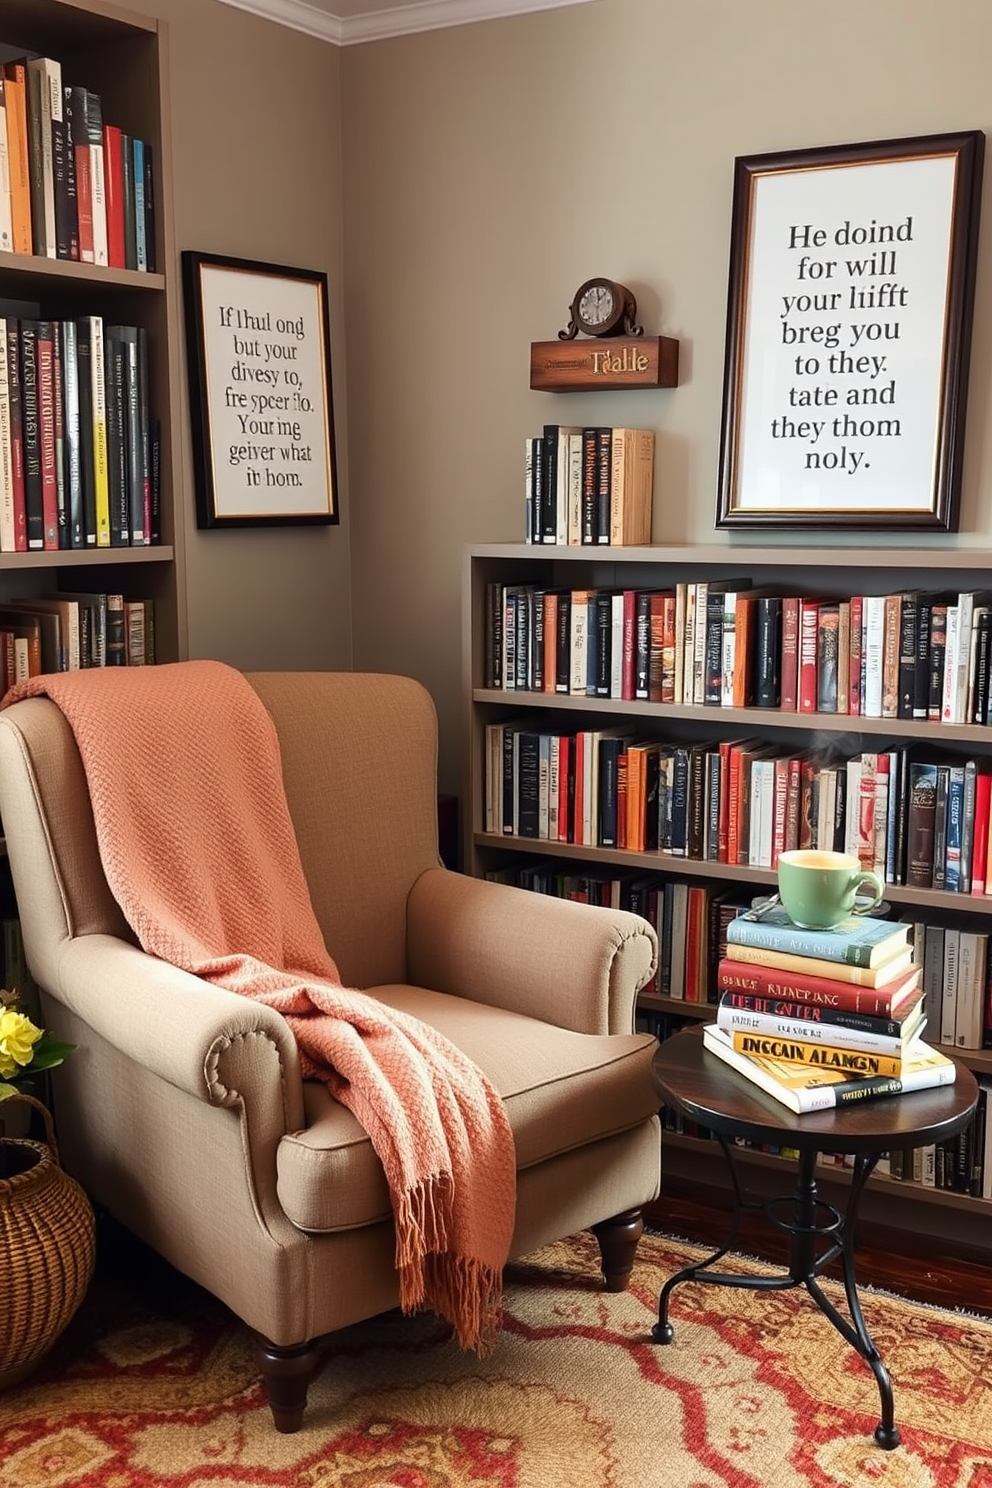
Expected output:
{"points": [[574, 965], [182, 1029]]}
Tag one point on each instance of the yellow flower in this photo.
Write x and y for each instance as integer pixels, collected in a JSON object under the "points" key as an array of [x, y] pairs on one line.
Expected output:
{"points": [[18, 1035]]}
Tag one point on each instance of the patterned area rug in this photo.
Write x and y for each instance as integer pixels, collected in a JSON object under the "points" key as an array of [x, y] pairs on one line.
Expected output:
{"points": [[158, 1389]]}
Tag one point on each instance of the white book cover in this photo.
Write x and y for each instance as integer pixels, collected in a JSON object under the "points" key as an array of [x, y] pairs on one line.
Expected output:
{"points": [[681, 606], [578, 643], [699, 644], [966, 610], [949, 693], [98, 192], [873, 624], [575, 489], [728, 650], [616, 645], [826, 801], [766, 834], [852, 808]]}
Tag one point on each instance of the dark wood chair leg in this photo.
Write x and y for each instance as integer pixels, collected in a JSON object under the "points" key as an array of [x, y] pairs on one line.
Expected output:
{"points": [[618, 1239], [287, 1372]]}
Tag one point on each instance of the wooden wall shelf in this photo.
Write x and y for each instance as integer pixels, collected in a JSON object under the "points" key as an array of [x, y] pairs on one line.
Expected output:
{"points": [[604, 365]]}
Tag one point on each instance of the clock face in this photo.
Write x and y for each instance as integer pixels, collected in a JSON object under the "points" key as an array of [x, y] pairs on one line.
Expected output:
{"points": [[597, 304]]}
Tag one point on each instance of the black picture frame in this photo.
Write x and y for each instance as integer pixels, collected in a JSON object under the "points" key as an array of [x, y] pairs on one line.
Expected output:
{"points": [[849, 311], [258, 354]]}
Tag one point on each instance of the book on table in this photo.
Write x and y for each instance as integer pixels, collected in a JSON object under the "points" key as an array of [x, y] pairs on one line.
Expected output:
{"points": [[899, 1024], [803, 1089], [800, 987], [815, 1054], [898, 963], [858, 940], [741, 1013]]}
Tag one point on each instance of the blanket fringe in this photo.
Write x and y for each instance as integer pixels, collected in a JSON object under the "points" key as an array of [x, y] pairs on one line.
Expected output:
{"points": [[460, 1288]]}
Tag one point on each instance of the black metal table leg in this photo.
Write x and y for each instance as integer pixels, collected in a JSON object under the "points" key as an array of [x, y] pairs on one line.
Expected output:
{"points": [[810, 1220]]}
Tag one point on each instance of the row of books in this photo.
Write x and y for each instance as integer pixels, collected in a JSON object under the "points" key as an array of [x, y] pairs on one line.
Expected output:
{"points": [[79, 449], [588, 486], [71, 186], [916, 821], [724, 643], [62, 632]]}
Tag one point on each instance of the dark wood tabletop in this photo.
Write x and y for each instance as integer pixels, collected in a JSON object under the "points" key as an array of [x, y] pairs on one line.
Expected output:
{"points": [[692, 1080]]}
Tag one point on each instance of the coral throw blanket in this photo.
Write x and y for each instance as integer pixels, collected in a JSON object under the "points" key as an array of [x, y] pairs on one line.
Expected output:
{"points": [[199, 850]]}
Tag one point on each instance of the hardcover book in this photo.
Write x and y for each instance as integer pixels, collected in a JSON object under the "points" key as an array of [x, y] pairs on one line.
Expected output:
{"points": [[802, 1089], [768, 1024], [901, 1024], [861, 940], [824, 991]]}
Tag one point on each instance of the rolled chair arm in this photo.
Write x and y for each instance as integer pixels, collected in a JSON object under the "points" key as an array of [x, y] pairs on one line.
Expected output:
{"points": [[184, 1030], [575, 965]]}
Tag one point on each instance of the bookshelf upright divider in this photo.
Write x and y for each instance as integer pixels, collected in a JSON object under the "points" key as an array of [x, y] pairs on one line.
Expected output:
{"points": [[831, 573]]}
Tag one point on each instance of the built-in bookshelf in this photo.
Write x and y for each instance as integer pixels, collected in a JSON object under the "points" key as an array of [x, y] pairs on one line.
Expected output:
{"points": [[120, 57], [503, 699]]}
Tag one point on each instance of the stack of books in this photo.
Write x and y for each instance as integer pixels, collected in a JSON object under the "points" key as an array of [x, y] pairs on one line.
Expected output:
{"points": [[821, 1018]]}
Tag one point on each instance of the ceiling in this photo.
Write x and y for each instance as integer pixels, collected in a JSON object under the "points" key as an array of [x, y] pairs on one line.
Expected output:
{"points": [[346, 22]]}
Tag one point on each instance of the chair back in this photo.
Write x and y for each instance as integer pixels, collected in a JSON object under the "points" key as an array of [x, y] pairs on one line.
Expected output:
{"points": [[359, 754]]}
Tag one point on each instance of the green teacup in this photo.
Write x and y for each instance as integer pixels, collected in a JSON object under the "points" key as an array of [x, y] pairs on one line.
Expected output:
{"points": [[819, 889]]}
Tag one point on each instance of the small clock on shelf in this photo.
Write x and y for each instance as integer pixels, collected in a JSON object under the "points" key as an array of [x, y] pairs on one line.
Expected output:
{"points": [[602, 307], [617, 356]]}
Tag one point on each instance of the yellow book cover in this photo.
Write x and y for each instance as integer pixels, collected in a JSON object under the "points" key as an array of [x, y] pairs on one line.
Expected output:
{"points": [[803, 1088], [816, 1056], [858, 976], [101, 480]]}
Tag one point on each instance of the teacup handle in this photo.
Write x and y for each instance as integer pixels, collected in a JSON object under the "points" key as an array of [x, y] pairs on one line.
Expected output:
{"points": [[877, 887]]}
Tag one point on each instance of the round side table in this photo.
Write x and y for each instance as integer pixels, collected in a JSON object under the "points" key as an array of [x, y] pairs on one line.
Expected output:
{"points": [[699, 1085]]}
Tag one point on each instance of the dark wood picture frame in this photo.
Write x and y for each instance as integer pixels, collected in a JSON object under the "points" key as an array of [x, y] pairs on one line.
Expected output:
{"points": [[258, 353], [852, 278]]}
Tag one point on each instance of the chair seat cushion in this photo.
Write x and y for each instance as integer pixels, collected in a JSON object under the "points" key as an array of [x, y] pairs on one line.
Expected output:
{"points": [[562, 1090]]}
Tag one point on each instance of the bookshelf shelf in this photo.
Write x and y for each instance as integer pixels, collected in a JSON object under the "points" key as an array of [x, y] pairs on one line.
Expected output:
{"points": [[833, 572]]}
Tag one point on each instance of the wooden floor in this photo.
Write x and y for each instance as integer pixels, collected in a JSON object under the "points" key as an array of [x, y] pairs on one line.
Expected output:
{"points": [[911, 1266]]}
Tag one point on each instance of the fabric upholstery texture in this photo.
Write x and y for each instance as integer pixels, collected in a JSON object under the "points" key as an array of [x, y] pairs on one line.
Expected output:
{"points": [[184, 1111]]}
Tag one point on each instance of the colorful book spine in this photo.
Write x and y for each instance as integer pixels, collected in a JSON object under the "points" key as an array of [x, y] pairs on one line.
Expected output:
{"points": [[833, 1035], [825, 1015], [768, 981]]}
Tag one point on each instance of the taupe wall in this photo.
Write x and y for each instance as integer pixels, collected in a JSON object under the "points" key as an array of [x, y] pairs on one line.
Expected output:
{"points": [[256, 163], [490, 168]]}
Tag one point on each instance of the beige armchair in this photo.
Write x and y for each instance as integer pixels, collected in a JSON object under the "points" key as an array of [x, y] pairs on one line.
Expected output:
{"points": [[183, 1111]]}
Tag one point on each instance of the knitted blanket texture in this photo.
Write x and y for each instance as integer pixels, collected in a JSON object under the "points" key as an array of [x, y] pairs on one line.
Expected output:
{"points": [[185, 780]]}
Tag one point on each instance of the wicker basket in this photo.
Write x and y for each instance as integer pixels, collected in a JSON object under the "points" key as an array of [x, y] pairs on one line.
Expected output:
{"points": [[47, 1248]]}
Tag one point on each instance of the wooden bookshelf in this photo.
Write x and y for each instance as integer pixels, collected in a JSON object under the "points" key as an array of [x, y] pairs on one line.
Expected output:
{"points": [[122, 56], [831, 572]]}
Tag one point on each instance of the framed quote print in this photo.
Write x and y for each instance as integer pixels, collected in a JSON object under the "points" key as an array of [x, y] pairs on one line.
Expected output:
{"points": [[259, 364], [852, 273]]}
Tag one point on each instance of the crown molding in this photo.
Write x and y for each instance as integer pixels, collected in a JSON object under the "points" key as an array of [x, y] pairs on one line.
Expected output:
{"points": [[399, 20]]}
